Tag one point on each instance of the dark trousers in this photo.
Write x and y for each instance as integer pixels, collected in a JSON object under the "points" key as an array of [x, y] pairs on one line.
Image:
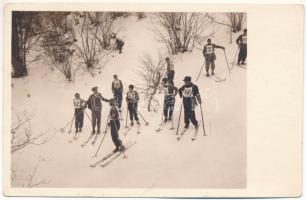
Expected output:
{"points": [[132, 107], [170, 76], [242, 54], [210, 61], [189, 114], [118, 99], [115, 126], [169, 103], [119, 46], [96, 118], [79, 117]]}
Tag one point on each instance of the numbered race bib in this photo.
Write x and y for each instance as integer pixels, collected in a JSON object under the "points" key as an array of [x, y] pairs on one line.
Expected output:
{"points": [[166, 91], [131, 95], [77, 103], [209, 49], [117, 84], [244, 39], [187, 92]]}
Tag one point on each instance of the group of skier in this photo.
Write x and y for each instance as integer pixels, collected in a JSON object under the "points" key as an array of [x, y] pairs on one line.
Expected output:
{"points": [[189, 93]]}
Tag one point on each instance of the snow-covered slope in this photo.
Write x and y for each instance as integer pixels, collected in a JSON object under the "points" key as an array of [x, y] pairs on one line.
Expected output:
{"points": [[158, 159]]}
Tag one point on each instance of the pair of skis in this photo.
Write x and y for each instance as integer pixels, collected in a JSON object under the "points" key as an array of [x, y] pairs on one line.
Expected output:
{"points": [[109, 158], [194, 137], [95, 136]]}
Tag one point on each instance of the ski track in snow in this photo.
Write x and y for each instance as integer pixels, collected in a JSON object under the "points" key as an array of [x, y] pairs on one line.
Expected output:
{"points": [[158, 160]]}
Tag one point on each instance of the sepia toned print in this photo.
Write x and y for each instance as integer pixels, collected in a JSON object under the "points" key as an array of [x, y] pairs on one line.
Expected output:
{"points": [[148, 98], [160, 101]]}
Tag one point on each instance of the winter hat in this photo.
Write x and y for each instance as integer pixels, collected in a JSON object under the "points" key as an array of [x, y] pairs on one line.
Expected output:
{"points": [[245, 30], [77, 94], [94, 89], [115, 75], [187, 78], [131, 86], [165, 80]]}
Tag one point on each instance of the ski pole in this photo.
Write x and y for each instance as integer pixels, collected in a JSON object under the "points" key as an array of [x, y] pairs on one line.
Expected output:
{"points": [[146, 123], [106, 126], [178, 123], [63, 129], [229, 71], [162, 118], [100, 144], [201, 70], [235, 58], [124, 156], [126, 117], [71, 124], [88, 116], [202, 119]]}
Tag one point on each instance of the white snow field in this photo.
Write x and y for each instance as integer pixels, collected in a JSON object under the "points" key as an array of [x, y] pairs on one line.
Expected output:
{"points": [[157, 160]]}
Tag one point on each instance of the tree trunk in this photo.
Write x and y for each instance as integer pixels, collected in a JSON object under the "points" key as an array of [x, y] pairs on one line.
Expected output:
{"points": [[19, 68]]}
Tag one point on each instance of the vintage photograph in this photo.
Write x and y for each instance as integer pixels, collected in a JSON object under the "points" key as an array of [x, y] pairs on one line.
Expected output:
{"points": [[128, 99]]}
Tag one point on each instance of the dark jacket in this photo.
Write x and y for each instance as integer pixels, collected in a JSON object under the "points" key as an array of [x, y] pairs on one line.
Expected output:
{"points": [[95, 101]]}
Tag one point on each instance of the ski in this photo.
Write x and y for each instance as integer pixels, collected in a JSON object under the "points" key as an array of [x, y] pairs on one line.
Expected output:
{"points": [[128, 130], [194, 137], [103, 159], [117, 155], [95, 139], [87, 141], [217, 78], [138, 128], [182, 134], [75, 138]]}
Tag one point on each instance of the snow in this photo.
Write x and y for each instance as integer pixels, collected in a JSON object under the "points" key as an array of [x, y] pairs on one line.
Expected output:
{"points": [[158, 159]]}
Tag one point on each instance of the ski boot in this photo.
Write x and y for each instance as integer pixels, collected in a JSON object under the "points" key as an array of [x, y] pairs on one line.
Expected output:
{"points": [[242, 63], [132, 123], [212, 73], [138, 123], [116, 149], [207, 74], [122, 148], [93, 132], [80, 130], [165, 120], [76, 130], [186, 126], [196, 126], [98, 131]]}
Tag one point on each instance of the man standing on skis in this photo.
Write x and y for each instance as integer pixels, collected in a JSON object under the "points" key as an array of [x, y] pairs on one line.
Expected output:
{"points": [[210, 56], [117, 88], [79, 106], [94, 103], [190, 94], [242, 45], [132, 99], [169, 100], [114, 124], [170, 70]]}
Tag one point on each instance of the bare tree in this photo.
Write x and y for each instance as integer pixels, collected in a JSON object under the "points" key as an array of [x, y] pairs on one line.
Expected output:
{"points": [[32, 176], [58, 39], [89, 50], [181, 32], [233, 21], [26, 28], [104, 25], [150, 73], [21, 133]]}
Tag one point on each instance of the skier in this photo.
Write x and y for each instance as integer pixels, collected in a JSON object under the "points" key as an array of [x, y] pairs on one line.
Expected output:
{"points": [[114, 124], [242, 44], [169, 100], [190, 94], [95, 105], [117, 43], [210, 56], [132, 99], [117, 88], [170, 70], [79, 106]]}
